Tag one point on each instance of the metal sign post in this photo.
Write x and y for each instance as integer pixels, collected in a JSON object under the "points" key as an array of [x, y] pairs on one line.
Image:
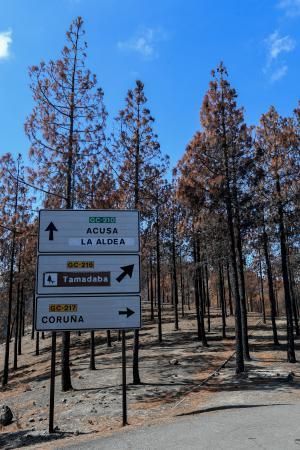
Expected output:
{"points": [[124, 383], [88, 278], [52, 383]]}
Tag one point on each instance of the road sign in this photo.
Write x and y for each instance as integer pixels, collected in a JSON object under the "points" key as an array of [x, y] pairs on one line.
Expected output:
{"points": [[88, 274], [88, 231], [85, 257], [87, 313]]}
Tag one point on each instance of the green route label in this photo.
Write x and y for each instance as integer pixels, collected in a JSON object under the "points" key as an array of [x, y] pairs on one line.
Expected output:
{"points": [[102, 219]]}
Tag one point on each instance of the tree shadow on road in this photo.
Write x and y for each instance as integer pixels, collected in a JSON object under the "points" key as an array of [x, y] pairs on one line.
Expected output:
{"points": [[237, 406]]}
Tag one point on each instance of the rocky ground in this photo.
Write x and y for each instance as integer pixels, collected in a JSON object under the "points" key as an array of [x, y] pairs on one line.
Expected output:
{"points": [[178, 377]]}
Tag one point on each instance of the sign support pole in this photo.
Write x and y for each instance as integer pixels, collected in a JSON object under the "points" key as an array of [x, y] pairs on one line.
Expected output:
{"points": [[33, 313], [124, 387], [52, 383]]}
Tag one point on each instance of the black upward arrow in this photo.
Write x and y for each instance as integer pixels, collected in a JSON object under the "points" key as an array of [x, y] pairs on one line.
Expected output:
{"points": [[51, 227], [127, 270], [127, 313]]}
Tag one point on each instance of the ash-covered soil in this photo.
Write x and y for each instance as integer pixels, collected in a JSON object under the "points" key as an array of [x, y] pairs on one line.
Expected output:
{"points": [[172, 374]]}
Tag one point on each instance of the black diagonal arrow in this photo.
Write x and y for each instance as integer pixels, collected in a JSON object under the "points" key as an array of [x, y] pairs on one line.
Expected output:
{"points": [[51, 227], [127, 313], [127, 270]]}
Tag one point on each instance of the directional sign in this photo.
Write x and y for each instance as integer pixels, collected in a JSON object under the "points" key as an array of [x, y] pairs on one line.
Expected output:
{"points": [[88, 274], [87, 313], [88, 231]]}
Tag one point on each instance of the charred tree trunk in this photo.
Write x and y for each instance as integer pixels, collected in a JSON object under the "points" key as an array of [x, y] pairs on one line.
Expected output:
{"points": [[151, 290], [174, 274], [21, 321], [222, 301], [33, 314], [291, 357], [224, 292], [262, 289], [158, 276], [37, 343], [233, 256], [197, 294], [295, 314], [92, 351], [65, 350], [276, 299], [207, 298], [218, 297], [10, 289], [182, 288], [135, 366], [155, 288], [203, 291], [148, 287], [188, 292], [136, 339], [17, 328], [243, 292], [294, 303], [108, 338], [201, 306], [66, 384], [23, 315], [270, 285], [229, 290]]}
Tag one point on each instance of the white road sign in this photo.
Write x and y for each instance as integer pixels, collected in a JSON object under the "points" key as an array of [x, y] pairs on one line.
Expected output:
{"points": [[88, 231], [87, 313], [88, 274]]}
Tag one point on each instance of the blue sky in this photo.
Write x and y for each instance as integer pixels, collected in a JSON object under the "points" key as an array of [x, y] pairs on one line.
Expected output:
{"points": [[171, 45]]}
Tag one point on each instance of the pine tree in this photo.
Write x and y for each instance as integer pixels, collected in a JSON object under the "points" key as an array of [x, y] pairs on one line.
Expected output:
{"points": [[66, 130], [15, 215], [66, 126], [215, 173], [139, 165], [279, 169]]}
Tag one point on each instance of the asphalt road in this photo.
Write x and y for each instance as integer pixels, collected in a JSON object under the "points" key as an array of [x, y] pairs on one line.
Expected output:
{"points": [[235, 427]]}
